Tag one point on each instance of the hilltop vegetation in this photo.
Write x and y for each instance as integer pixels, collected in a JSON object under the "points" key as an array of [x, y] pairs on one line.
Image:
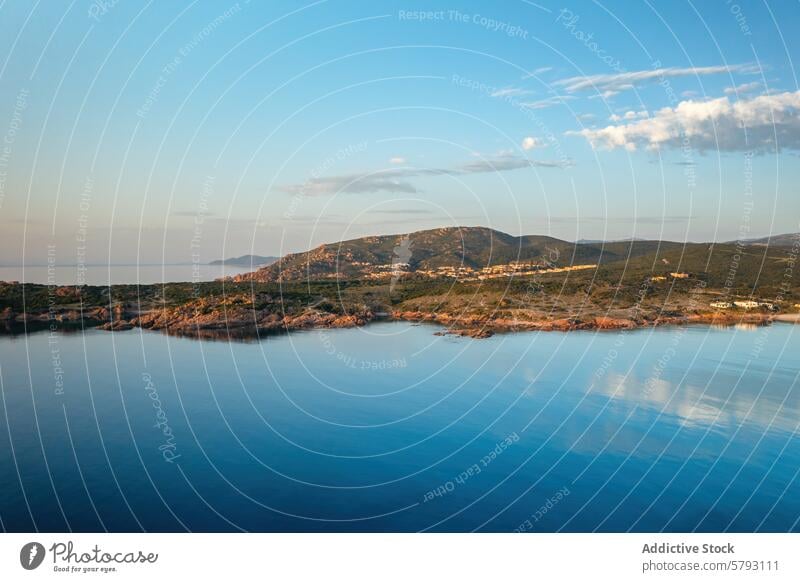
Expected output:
{"points": [[737, 268], [471, 247]]}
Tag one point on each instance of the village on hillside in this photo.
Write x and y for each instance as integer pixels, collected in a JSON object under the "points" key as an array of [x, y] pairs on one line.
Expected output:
{"points": [[464, 273]]}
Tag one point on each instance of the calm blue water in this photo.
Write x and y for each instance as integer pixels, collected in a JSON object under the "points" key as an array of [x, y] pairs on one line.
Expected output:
{"points": [[353, 430]]}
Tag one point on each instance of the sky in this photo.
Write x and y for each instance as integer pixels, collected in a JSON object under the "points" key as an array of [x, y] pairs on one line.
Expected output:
{"points": [[150, 132]]}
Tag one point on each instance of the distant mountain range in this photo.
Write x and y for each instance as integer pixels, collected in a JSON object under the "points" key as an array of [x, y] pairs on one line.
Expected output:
{"points": [[776, 240], [594, 241], [246, 261]]}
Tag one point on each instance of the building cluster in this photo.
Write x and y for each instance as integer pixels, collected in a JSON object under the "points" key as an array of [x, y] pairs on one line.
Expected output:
{"points": [[498, 271], [675, 275], [743, 304], [468, 273], [384, 271]]}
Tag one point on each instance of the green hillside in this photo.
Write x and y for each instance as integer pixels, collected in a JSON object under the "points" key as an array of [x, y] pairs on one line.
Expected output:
{"points": [[473, 247]]}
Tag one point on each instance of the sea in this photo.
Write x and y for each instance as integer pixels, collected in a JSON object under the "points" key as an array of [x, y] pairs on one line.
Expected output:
{"points": [[392, 427], [117, 274]]}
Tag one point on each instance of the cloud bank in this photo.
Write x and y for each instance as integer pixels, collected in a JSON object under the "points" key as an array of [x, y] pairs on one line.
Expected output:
{"points": [[760, 124]]}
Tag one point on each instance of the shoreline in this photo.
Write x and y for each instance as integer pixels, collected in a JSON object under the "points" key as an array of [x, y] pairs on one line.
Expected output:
{"points": [[469, 327], [477, 311], [247, 324]]}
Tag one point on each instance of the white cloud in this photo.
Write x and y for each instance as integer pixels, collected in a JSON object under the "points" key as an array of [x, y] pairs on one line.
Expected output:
{"points": [[539, 71], [629, 115], [607, 94], [612, 83], [511, 92], [398, 160], [744, 88], [530, 143], [547, 102], [763, 123]]}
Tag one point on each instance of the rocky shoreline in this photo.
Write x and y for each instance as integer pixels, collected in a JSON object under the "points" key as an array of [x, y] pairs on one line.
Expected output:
{"points": [[187, 318], [486, 327], [191, 319]]}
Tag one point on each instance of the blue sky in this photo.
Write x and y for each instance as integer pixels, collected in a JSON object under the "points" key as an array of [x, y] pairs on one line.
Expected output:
{"points": [[138, 131]]}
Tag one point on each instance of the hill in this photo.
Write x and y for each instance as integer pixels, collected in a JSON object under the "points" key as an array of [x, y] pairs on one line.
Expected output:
{"points": [[596, 241], [777, 240], [246, 261], [434, 251]]}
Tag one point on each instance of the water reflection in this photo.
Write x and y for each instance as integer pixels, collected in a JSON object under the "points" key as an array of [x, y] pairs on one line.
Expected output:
{"points": [[711, 392], [740, 326]]}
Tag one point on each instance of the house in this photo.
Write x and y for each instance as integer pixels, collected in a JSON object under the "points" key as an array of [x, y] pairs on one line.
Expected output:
{"points": [[679, 275], [749, 304], [721, 304], [658, 278]]}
